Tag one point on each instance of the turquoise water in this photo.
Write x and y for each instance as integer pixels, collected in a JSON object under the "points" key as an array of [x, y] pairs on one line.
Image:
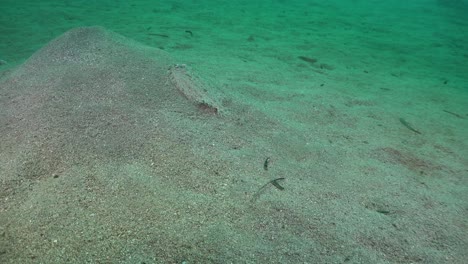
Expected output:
{"points": [[234, 131], [397, 28]]}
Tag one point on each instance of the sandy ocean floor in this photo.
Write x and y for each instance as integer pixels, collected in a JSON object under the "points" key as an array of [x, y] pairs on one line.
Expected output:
{"points": [[340, 132]]}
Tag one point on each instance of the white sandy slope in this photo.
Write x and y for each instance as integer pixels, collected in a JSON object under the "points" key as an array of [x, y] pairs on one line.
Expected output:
{"points": [[359, 187]]}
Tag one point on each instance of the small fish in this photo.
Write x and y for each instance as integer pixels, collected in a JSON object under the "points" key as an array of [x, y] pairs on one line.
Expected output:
{"points": [[454, 114], [273, 182], [266, 163], [407, 125], [276, 184]]}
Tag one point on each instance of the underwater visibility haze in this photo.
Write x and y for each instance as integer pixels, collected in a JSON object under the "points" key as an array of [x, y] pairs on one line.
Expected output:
{"points": [[204, 131]]}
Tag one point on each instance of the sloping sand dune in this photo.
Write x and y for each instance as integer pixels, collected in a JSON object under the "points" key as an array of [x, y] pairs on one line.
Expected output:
{"points": [[112, 152]]}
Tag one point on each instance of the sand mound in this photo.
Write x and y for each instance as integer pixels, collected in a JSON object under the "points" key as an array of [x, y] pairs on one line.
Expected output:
{"points": [[91, 93], [112, 152], [89, 112]]}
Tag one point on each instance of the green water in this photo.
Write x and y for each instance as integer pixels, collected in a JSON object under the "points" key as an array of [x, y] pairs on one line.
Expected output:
{"points": [[421, 32], [357, 110]]}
